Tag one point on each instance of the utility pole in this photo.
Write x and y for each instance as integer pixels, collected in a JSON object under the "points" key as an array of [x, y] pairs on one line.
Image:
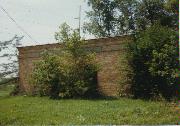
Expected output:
{"points": [[79, 18], [80, 21]]}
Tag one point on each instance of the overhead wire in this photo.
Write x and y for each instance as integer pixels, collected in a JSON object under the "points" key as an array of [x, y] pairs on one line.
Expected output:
{"points": [[20, 27]]}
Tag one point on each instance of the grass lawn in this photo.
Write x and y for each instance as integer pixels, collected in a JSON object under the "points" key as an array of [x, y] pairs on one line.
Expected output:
{"points": [[24, 110]]}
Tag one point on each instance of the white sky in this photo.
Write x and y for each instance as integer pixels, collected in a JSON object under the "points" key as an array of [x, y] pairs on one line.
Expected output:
{"points": [[40, 18]]}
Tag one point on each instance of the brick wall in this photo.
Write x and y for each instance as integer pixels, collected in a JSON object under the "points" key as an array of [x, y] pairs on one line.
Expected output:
{"points": [[108, 52]]}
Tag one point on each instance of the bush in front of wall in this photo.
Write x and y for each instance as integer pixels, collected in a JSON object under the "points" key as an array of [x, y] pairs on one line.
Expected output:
{"points": [[154, 59], [69, 73]]}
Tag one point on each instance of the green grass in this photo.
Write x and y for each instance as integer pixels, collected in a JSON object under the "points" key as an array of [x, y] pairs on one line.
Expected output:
{"points": [[5, 89], [24, 110]]}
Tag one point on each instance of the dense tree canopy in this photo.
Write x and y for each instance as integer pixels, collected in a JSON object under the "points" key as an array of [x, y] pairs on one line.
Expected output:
{"points": [[119, 17], [102, 20]]}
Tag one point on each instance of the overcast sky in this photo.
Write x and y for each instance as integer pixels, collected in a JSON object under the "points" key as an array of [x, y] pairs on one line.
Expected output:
{"points": [[40, 18]]}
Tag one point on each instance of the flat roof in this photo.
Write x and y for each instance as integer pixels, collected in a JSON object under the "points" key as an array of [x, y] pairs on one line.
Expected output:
{"points": [[89, 40]]}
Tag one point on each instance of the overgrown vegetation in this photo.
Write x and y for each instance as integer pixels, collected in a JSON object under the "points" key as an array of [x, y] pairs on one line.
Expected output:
{"points": [[153, 68], [155, 63], [126, 71], [70, 72]]}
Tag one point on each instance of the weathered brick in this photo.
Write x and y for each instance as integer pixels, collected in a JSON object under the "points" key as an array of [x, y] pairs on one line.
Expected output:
{"points": [[108, 51]]}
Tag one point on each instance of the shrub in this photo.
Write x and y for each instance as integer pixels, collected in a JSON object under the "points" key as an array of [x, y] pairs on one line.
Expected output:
{"points": [[154, 59], [69, 72], [126, 72], [45, 76]]}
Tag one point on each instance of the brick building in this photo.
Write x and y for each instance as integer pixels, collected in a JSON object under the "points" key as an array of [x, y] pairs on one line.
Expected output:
{"points": [[108, 52]]}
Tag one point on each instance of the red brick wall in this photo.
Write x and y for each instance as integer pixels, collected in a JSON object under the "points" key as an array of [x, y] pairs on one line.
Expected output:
{"points": [[108, 50]]}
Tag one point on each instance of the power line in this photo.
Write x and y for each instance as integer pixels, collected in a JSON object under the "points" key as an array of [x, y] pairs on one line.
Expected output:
{"points": [[21, 28]]}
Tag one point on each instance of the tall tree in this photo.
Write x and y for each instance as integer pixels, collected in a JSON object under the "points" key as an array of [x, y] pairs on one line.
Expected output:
{"points": [[8, 55], [119, 17], [102, 18], [172, 7], [125, 16], [152, 11]]}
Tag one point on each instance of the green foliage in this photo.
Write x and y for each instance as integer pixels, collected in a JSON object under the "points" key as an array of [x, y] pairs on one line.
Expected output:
{"points": [[149, 12], [8, 80], [125, 16], [155, 62], [46, 75], [101, 18], [6, 89], [8, 56], [126, 72], [172, 7], [119, 17], [154, 57], [64, 33], [71, 72]]}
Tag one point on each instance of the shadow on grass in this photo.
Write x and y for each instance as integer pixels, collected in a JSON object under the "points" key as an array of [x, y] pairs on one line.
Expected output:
{"points": [[109, 98]]}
